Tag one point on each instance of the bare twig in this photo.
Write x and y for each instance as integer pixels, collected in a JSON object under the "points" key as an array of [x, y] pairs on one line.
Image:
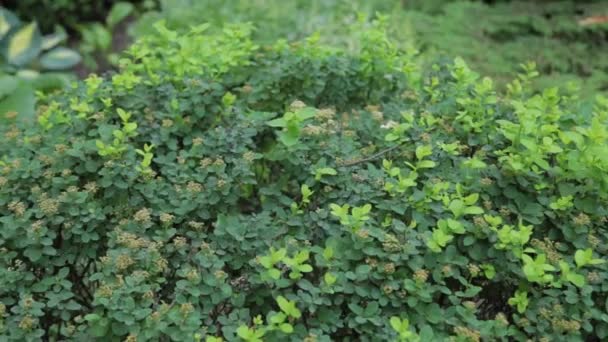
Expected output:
{"points": [[594, 20], [372, 157]]}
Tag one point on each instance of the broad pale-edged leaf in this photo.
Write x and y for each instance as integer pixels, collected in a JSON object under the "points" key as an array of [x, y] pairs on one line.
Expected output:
{"points": [[28, 74], [52, 40], [7, 21], [22, 44], [60, 59]]}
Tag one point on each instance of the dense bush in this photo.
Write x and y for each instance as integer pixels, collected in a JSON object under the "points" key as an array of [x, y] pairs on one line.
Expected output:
{"points": [[297, 192]]}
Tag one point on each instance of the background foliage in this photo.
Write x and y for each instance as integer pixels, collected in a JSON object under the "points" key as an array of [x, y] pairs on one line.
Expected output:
{"points": [[494, 38], [29, 62], [67, 13]]}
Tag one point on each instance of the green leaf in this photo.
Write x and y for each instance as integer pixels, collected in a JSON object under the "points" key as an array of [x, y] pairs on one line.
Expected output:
{"points": [[456, 207], [456, 226], [489, 270], [306, 113], [274, 273], [52, 40], [391, 137], [279, 254], [280, 122], [585, 257], [51, 81], [63, 272], [371, 309], [396, 323], [22, 100], [92, 317], [22, 45], [423, 151], [28, 74], [289, 138], [471, 199], [284, 304], [100, 328], [59, 59], [302, 256], [120, 11], [96, 37], [7, 21], [8, 84], [426, 164], [244, 332], [278, 318], [328, 253], [582, 257], [320, 172], [286, 328], [305, 268], [473, 210], [329, 278], [576, 279]]}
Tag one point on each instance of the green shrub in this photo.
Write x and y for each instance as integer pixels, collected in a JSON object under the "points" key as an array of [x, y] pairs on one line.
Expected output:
{"points": [[214, 188]]}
